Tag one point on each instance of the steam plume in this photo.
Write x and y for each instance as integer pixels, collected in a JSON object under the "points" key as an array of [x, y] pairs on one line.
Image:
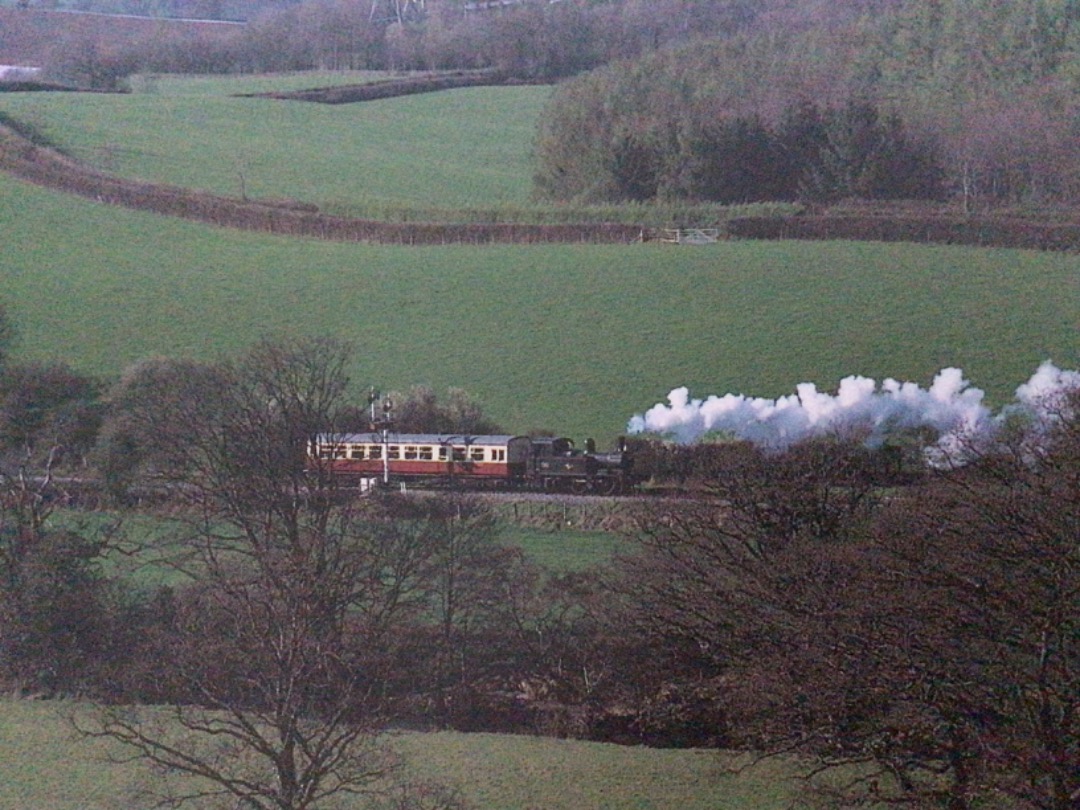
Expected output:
{"points": [[950, 407]]}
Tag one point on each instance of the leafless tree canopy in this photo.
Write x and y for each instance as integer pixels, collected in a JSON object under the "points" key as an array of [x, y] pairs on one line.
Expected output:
{"points": [[275, 658], [930, 633]]}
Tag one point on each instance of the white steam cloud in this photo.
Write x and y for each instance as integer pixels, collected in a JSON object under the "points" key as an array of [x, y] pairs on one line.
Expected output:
{"points": [[950, 407]]}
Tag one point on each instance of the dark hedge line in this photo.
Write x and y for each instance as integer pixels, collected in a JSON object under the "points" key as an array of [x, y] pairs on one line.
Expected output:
{"points": [[29, 86], [371, 91], [47, 168], [27, 132], [980, 231]]}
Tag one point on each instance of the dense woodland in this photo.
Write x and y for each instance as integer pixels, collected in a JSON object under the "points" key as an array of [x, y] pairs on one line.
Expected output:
{"points": [[713, 100], [830, 600], [969, 101]]}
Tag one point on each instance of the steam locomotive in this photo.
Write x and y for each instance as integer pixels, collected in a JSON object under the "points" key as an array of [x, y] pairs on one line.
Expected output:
{"points": [[502, 461]]}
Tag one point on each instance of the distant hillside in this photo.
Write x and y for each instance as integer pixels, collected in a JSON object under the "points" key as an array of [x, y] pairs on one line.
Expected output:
{"points": [[28, 35], [973, 101], [177, 9]]}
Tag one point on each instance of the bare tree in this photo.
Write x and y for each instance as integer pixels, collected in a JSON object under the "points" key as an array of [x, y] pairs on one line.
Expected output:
{"points": [[420, 411], [732, 590], [53, 613], [273, 654], [985, 580], [930, 635], [464, 577]]}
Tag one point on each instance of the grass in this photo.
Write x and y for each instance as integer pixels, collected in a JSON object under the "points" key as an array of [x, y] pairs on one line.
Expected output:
{"points": [[46, 766], [463, 148], [566, 550], [573, 338], [146, 546], [460, 156]]}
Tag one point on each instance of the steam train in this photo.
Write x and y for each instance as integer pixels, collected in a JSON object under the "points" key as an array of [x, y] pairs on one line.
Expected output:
{"points": [[503, 461]]}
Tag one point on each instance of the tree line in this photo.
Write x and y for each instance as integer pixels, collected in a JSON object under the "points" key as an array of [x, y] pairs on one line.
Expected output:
{"points": [[811, 153], [532, 40]]}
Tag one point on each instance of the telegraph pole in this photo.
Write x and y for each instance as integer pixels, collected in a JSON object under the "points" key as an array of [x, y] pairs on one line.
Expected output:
{"points": [[387, 407], [381, 423], [372, 398]]}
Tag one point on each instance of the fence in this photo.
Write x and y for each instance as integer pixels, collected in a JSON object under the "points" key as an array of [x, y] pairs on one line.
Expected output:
{"points": [[683, 236]]}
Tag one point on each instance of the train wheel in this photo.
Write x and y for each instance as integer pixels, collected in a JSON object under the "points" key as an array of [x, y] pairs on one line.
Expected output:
{"points": [[606, 486]]}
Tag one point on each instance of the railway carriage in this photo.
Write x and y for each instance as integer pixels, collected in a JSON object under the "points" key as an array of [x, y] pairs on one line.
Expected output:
{"points": [[425, 456], [547, 463]]}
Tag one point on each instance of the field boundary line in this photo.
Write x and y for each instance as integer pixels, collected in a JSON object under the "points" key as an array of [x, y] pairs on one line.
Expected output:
{"points": [[46, 167]]}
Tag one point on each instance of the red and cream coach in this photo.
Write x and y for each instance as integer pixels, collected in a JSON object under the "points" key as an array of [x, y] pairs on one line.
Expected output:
{"points": [[500, 460], [406, 456]]}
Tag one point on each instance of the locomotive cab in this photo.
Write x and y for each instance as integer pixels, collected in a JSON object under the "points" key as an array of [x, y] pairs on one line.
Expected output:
{"points": [[557, 465]]}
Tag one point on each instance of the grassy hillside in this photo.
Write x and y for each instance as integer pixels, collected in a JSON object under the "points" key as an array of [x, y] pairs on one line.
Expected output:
{"points": [[47, 767], [467, 147], [574, 338]]}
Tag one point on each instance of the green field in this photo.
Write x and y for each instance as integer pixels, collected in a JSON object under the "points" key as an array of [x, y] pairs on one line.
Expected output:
{"points": [[461, 155], [234, 84], [160, 541], [467, 147], [567, 550], [47, 767], [573, 338]]}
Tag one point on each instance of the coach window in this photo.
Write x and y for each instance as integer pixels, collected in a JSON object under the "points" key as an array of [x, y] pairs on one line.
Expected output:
{"points": [[394, 452], [356, 453], [410, 452], [476, 454], [459, 454], [443, 454], [427, 453], [375, 451]]}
